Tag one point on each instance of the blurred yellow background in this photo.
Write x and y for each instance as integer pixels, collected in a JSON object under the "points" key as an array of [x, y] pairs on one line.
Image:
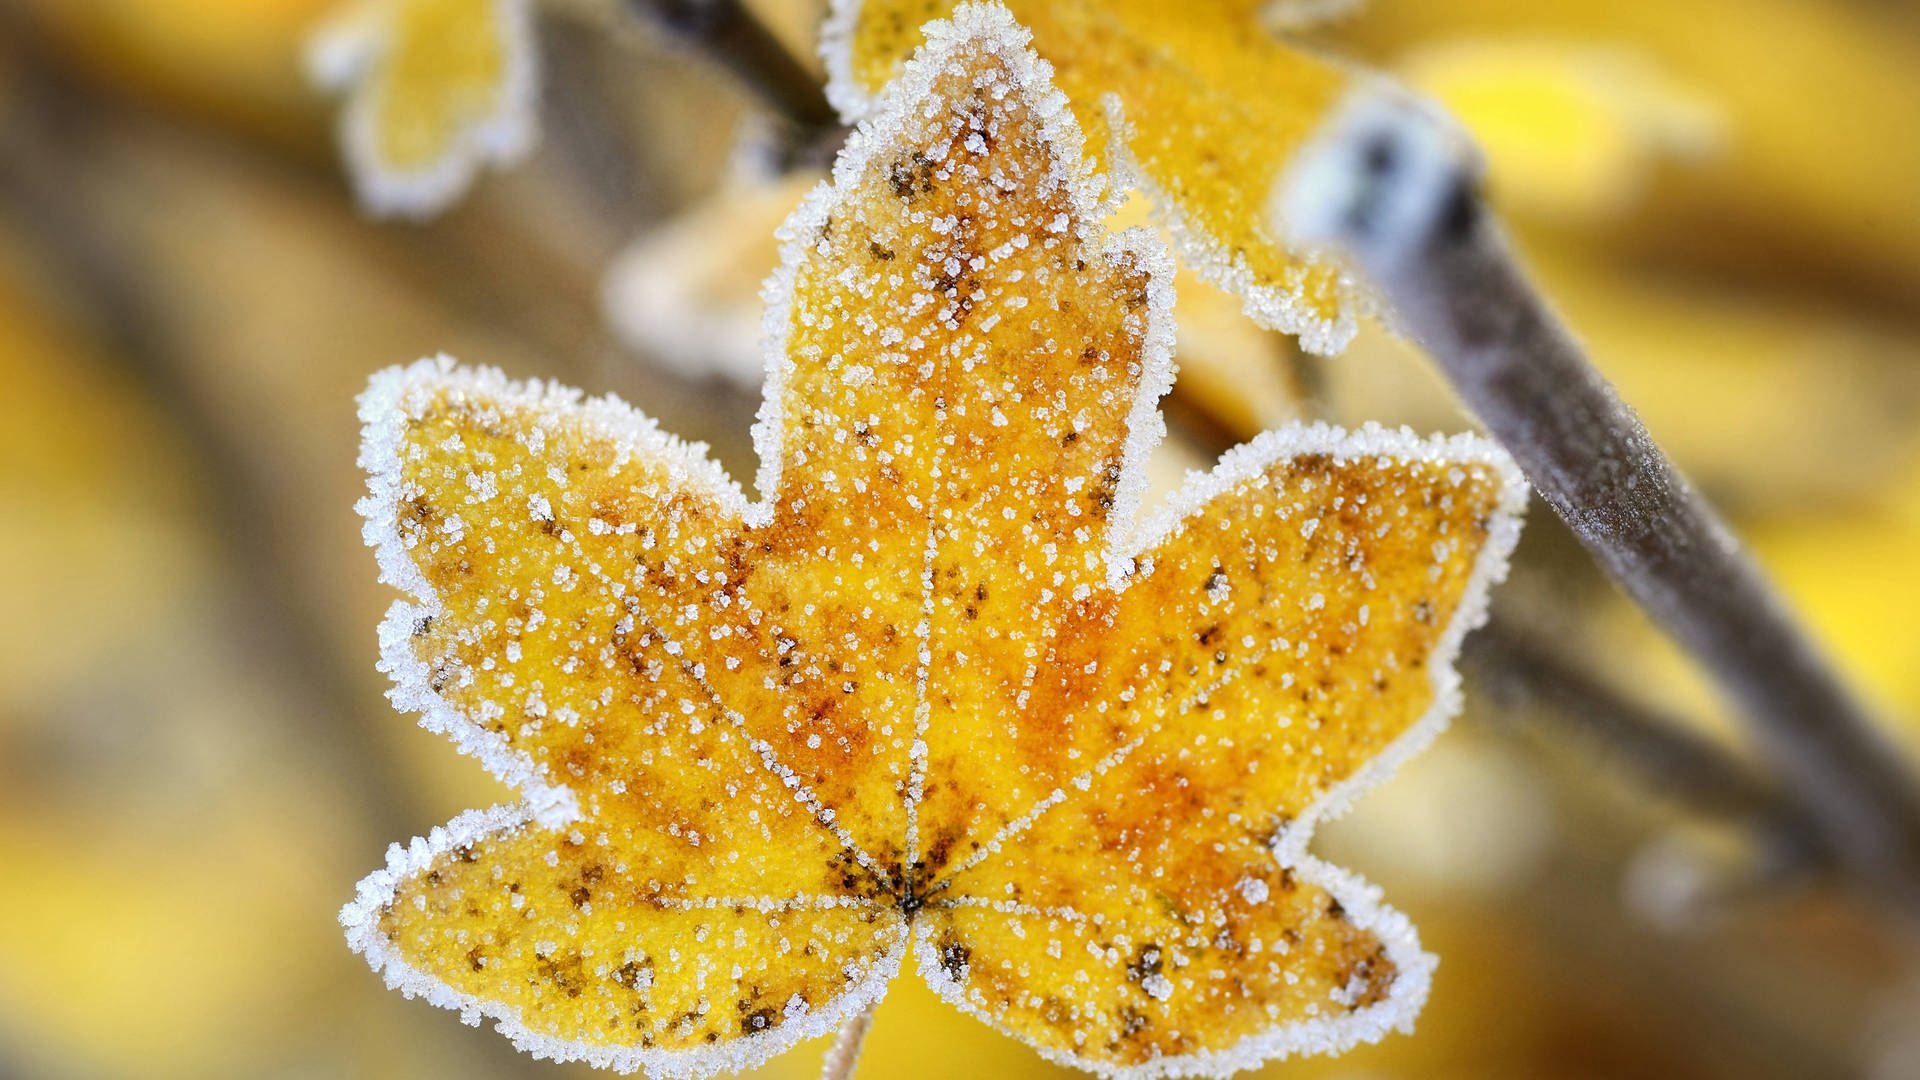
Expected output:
{"points": [[196, 760]]}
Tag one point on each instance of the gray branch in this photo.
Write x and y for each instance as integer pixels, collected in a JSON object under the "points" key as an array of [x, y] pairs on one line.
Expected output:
{"points": [[1394, 187]]}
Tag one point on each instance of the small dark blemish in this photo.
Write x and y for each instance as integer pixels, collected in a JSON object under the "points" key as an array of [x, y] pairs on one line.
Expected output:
{"points": [[1380, 157], [1148, 960], [954, 958], [1461, 213]]}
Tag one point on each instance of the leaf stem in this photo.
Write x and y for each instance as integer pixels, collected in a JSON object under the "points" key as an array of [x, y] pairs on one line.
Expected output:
{"points": [[1392, 184], [844, 1055]]}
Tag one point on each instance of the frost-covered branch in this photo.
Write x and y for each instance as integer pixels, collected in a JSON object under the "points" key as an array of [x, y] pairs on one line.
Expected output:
{"points": [[1393, 185]]}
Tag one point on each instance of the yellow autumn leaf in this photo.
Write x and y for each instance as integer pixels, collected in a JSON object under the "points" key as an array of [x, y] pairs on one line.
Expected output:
{"points": [[1203, 105], [1233, 374], [941, 692], [435, 90]]}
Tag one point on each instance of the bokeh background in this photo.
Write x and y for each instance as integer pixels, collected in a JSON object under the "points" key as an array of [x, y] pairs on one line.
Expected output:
{"points": [[196, 760]]}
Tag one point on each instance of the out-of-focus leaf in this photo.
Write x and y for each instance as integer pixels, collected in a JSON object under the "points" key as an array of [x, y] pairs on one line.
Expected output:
{"points": [[1856, 576], [688, 293], [435, 89], [238, 59]]}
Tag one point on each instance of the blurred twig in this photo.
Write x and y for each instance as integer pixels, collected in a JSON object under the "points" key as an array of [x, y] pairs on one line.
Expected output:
{"points": [[733, 37], [1395, 187], [1512, 670]]}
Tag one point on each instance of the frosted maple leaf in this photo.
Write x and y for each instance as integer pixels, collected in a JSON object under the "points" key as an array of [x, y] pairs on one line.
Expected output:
{"points": [[940, 692]]}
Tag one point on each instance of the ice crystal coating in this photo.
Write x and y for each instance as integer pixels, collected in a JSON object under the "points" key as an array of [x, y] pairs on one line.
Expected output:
{"points": [[1198, 105], [940, 691], [687, 294], [435, 90]]}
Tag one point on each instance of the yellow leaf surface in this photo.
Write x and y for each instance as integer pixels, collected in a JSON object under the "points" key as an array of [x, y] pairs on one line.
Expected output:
{"points": [[688, 295], [941, 691], [1210, 106], [435, 89]]}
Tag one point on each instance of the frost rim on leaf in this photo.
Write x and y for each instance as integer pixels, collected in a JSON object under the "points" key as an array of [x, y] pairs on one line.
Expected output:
{"points": [[394, 396], [1273, 308], [1361, 899], [361, 917], [340, 57]]}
